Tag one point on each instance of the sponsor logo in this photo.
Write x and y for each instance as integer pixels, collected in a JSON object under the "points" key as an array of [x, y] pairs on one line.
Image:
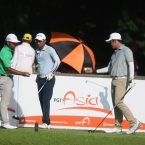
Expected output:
{"points": [[23, 54], [84, 122], [107, 124], [88, 102], [71, 97], [59, 122], [58, 100], [23, 120]]}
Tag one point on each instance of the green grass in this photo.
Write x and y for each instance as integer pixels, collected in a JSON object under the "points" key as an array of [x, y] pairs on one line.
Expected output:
{"points": [[27, 136]]}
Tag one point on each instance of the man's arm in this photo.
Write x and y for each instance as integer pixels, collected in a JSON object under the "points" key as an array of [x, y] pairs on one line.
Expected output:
{"points": [[56, 64], [131, 70], [13, 71], [131, 74], [103, 70]]}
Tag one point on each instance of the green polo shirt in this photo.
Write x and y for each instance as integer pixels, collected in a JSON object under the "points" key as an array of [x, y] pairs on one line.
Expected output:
{"points": [[5, 59]]}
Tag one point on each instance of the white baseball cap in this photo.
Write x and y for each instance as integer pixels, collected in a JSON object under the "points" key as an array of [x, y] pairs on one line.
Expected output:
{"points": [[40, 36], [12, 38], [115, 36]]}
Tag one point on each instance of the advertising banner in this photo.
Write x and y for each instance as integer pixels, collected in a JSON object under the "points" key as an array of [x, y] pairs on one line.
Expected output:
{"points": [[77, 103]]}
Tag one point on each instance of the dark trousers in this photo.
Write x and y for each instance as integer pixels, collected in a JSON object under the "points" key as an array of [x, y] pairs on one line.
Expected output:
{"points": [[45, 96]]}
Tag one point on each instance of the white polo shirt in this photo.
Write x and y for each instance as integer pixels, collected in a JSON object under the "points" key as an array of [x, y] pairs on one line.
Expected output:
{"points": [[23, 57]]}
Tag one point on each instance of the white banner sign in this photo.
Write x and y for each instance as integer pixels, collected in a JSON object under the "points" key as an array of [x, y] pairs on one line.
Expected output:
{"points": [[77, 103]]}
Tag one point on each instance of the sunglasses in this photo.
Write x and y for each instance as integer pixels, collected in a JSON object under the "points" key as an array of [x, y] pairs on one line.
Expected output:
{"points": [[38, 41]]}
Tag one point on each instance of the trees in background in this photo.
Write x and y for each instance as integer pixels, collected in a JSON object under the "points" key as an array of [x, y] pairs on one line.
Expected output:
{"points": [[91, 21]]}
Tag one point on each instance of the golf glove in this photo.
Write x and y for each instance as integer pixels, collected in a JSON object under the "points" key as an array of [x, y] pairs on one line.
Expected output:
{"points": [[131, 84], [50, 76]]}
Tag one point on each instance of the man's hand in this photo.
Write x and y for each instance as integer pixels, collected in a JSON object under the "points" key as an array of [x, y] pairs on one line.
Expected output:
{"points": [[131, 84], [88, 70], [26, 74], [50, 76]]}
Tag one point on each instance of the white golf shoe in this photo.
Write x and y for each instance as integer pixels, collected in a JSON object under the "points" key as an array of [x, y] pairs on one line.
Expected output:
{"points": [[114, 130], [8, 126], [45, 126], [134, 128]]}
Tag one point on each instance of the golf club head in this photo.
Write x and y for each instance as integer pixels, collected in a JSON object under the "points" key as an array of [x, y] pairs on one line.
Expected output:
{"points": [[91, 131], [16, 117]]}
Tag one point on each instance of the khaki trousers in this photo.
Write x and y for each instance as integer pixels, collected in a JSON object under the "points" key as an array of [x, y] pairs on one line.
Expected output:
{"points": [[118, 89], [6, 85]]}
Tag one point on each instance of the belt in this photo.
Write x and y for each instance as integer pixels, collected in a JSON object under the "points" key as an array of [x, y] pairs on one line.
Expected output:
{"points": [[6, 75], [116, 78], [45, 76], [10, 76], [2, 75]]}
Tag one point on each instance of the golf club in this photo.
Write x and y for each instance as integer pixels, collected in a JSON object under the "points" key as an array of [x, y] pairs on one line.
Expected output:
{"points": [[18, 117], [94, 83], [92, 131]]}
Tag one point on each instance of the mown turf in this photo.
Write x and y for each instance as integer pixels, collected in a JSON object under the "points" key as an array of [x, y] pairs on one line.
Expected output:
{"points": [[27, 136]]}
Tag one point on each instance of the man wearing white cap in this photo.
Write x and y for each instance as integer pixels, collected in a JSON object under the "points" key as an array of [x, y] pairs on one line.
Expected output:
{"points": [[24, 55], [121, 69], [6, 82], [48, 62]]}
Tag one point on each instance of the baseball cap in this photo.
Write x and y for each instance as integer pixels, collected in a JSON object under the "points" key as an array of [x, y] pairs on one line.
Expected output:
{"points": [[115, 36], [40, 36], [12, 38], [27, 36]]}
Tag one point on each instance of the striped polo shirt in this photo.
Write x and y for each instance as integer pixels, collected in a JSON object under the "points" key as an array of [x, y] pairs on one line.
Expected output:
{"points": [[118, 65]]}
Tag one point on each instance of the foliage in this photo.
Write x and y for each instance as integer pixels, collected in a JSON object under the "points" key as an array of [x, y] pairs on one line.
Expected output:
{"points": [[132, 29], [91, 21]]}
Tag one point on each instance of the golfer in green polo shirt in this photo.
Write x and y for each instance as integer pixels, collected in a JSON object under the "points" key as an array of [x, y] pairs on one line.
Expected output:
{"points": [[6, 82]]}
